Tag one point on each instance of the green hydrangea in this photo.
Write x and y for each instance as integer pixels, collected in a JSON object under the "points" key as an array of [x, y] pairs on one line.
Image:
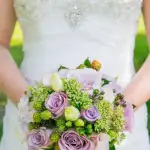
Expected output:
{"points": [[33, 125], [118, 119], [38, 105], [71, 85], [37, 117], [55, 136], [106, 110], [77, 97], [89, 126], [84, 100], [121, 137], [113, 135], [69, 124], [116, 137], [40, 92], [81, 131], [60, 122], [89, 131], [61, 128], [102, 125], [46, 115]]}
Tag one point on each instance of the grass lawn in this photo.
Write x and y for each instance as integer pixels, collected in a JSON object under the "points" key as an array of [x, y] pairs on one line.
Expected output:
{"points": [[141, 52]]}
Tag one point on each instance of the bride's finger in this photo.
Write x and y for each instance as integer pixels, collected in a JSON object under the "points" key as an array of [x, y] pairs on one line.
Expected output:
{"points": [[102, 142]]}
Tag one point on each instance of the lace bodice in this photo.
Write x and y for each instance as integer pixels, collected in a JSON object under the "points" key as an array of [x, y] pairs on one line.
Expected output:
{"points": [[77, 11], [38, 9]]}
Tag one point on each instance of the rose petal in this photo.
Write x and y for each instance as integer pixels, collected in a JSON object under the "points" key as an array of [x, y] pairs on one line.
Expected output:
{"points": [[56, 103], [70, 140], [38, 139], [91, 114]]}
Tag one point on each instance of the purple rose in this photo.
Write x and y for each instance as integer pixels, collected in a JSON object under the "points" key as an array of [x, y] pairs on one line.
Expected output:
{"points": [[91, 114], [56, 103], [89, 78], [70, 140], [39, 139], [129, 117]]}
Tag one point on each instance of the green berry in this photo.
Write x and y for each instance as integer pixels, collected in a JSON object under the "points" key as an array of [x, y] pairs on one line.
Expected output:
{"points": [[89, 126], [69, 124], [37, 105], [78, 130], [89, 131], [60, 122], [79, 123], [96, 92], [55, 137], [46, 115], [61, 128], [37, 117], [82, 132]]}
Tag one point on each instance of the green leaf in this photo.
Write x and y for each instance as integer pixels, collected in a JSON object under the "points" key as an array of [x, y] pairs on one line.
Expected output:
{"points": [[51, 147], [87, 63], [105, 82], [112, 148], [62, 67]]}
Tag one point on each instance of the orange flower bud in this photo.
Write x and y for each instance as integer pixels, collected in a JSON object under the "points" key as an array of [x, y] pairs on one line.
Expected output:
{"points": [[96, 65]]}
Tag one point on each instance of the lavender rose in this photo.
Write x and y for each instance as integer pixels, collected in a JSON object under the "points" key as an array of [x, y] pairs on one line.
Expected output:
{"points": [[91, 114], [129, 117], [71, 140], [56, 103], [39, 139]]}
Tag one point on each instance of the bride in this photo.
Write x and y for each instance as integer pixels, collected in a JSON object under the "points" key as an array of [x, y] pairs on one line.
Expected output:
{"points": [[67, 32]]}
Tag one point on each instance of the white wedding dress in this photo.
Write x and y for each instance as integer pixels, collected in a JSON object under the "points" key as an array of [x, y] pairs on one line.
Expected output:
{"points": [[66, 32]]}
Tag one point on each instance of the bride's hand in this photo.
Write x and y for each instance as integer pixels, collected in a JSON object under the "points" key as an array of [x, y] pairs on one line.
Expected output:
{"points": [[101, 142], [12, 82]]}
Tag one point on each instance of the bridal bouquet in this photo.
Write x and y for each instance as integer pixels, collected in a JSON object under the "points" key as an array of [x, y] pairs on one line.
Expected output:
{"points": [[75, 109]]}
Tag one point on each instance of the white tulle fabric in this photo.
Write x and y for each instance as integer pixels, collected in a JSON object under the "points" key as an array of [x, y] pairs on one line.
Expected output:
{"points": [[68, 31]]}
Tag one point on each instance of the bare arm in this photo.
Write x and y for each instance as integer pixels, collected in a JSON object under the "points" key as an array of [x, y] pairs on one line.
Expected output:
{"points": [[11, 81], [138, 91]]}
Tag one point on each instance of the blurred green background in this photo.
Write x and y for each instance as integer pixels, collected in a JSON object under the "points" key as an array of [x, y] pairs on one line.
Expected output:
{"points": [[141, 52]]}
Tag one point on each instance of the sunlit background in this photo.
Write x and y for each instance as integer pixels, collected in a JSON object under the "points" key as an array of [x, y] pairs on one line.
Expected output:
{"points": [[141, 52]]}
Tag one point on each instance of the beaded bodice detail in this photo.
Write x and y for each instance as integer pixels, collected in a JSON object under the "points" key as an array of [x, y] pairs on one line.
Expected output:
{"points": [[76, 11]]}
